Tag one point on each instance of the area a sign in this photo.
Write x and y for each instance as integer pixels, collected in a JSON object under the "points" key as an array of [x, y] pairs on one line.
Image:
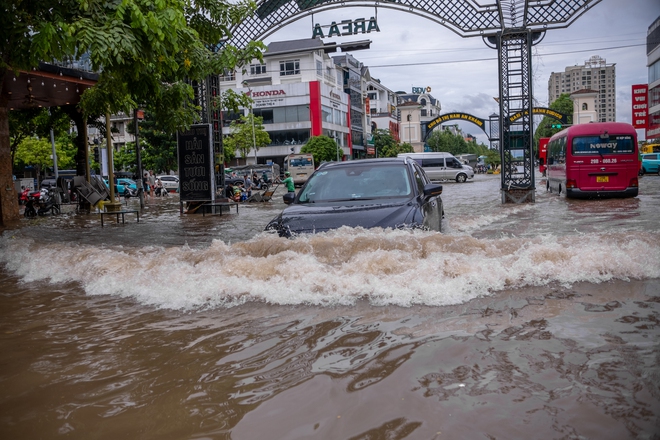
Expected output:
{"points": [[347, 27]]}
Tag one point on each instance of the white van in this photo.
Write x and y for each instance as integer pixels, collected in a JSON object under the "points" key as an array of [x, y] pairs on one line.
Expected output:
{"points": [[442, 166]]}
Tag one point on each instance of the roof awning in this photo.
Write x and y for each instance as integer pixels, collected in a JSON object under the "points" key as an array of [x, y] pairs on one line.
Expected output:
{"points": [[46, 86]]}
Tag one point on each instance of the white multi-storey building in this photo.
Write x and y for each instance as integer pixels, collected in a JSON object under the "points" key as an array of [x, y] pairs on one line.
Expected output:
{"points": [[428, 107], [595, 75], [381, 108], [298, 90]]}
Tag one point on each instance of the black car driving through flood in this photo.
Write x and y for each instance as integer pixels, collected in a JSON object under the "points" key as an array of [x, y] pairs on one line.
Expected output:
{"points": [[369, 193]]}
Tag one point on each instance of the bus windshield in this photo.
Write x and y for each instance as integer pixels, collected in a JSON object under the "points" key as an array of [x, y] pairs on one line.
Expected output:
{"points": [[622, 144]]}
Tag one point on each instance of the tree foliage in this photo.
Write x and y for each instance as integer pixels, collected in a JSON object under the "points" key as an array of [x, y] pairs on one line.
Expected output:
{"points": [[147, 52], [247, 132], [37, 153], [493, 158], [387, 146], [324, 149], [446, 141], [563, 104], [35, 122]]}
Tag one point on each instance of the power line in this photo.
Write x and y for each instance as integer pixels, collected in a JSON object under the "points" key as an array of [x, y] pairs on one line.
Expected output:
{"points": [[431, 63]]}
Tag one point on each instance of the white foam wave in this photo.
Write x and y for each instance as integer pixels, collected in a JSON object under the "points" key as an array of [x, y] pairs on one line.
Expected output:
{"points": [[469, 223], [336, 268]]}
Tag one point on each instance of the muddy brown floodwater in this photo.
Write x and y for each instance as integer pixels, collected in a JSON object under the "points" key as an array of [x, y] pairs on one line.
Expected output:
{"points": [[518, 321]]}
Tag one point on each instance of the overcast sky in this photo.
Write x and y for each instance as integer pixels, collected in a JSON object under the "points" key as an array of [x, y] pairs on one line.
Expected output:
{"points": [[411, 51]]}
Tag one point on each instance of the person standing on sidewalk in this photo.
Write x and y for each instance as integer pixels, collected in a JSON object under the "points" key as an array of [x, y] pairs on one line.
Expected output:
{"points": [[145, 183], [152, 183]]}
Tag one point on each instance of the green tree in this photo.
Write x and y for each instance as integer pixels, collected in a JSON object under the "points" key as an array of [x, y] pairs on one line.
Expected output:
{"points": [[158, 148], [125, 159], [37, 153], [35, 122], [247, 132], [387, 146], [563, 104], [229, 153], [148, 51], [405, 148], [474, 148], [324, 149], [445, 141], [493, 158]]}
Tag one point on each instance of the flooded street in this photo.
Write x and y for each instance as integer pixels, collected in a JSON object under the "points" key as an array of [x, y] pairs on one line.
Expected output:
{"points": [[518, 321]]}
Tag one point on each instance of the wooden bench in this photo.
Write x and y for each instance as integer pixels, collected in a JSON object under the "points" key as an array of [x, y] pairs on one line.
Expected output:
{"points": [[211, 207], [122, 213]]}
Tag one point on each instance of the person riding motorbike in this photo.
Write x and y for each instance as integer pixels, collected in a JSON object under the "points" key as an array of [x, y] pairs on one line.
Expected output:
{"points": [[160, 190]]}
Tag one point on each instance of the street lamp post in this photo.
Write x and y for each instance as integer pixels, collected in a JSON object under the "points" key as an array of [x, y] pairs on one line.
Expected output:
{"points": [[254, 139]]}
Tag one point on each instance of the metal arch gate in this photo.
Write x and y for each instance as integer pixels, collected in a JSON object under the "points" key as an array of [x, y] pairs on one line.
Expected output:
{"points": [[509, 26]]}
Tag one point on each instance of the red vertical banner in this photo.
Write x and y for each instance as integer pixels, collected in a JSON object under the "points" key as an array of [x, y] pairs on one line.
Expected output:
{"points": [[640, 105], [349, 137], [315, 114]]}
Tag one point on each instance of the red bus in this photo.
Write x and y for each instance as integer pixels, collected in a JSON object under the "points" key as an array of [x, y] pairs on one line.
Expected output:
{"points": [[594, 160]]}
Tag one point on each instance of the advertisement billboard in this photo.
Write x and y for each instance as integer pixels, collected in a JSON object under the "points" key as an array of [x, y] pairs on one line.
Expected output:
{"points": [[196, 172], [640, 96]]}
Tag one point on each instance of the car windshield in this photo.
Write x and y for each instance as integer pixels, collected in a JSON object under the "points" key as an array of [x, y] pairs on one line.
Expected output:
{"points": [[360, 182]]}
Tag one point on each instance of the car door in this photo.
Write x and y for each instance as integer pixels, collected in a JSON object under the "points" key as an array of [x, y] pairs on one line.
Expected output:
{"points": [[431, 207], [650, 163], [452, 168]]}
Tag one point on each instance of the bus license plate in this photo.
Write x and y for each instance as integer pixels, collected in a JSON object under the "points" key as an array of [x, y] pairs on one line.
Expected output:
{"points": [[602, 179]]}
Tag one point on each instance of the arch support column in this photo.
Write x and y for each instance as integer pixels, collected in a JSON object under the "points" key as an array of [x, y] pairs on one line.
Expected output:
{"points": [[514, 48]]}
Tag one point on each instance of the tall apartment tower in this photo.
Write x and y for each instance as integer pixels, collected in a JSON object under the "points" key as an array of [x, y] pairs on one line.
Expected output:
{"points": [[596, 75]]}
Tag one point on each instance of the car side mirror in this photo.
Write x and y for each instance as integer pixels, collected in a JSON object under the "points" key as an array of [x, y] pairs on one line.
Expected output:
{"points": [[432, 189], [289, 197]]}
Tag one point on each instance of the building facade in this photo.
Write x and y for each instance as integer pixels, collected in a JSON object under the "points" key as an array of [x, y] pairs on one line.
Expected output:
{"points": [[354, 84], [381, 108], [653, 63], [596, 74], [298, 90], [428, 108], [584, 106]]}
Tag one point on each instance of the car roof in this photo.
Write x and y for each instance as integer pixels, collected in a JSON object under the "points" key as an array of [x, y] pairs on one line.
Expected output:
{"points": [[361, 162]]}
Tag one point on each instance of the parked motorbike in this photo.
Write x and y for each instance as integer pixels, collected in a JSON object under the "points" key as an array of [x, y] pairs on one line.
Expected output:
{"points": [[160, 191], [130, 192], [40, 203], [24, 196]]}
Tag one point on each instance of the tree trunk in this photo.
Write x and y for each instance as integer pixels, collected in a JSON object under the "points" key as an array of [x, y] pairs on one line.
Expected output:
{"points": [[8, 197]]}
